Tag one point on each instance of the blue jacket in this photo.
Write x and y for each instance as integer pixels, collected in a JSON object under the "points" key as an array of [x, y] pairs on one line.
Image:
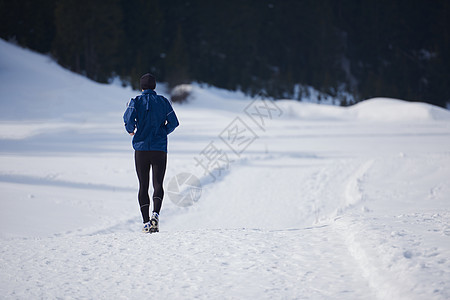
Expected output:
{"points": [[153, 117]]}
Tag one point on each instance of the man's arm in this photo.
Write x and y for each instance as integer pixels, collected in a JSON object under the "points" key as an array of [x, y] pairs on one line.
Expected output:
{"points": [[129, 118], [171, 118]]}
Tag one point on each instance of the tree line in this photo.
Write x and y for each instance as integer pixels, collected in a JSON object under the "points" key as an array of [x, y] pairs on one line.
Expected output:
{"points": [[362, 48]]}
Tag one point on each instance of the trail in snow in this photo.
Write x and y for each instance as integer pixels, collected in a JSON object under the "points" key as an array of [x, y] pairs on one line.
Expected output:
{"points": [[324, 203]]}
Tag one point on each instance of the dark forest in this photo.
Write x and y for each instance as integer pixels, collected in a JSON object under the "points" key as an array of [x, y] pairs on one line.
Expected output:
{"points": [[398, 49]]}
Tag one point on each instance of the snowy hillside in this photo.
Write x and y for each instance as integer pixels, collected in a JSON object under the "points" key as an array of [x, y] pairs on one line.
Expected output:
{"points": [[296, 200]]}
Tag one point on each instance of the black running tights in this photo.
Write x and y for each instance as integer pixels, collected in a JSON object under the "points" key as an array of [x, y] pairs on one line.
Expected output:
{"points": [[156, 160]]}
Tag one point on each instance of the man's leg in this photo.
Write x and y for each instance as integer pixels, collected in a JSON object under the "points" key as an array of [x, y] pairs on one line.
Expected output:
{"points": [[143, 173], [159, 161]]}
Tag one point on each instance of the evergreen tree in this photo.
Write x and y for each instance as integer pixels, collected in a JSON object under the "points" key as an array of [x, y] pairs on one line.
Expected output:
{"points": [[177, 64], [88, 33], [28, 22], [142, 48]]}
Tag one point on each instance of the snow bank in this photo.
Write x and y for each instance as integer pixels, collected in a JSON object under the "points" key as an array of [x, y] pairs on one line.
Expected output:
{"points": [[372, 110], [310, 111], [34, 87], [393, 110]]}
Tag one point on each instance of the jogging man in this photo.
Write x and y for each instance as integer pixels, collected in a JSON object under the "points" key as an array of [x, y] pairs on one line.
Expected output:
{"points": [[149, 118]]}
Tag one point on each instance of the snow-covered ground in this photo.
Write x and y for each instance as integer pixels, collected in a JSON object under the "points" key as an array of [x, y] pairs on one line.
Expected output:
{"points": [[298, 200]]}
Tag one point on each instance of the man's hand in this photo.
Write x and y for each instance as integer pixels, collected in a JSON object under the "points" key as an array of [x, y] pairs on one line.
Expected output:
{"points": [[131, 133]]}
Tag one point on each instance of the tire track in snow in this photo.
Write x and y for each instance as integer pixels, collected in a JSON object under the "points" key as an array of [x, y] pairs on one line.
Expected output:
{"points": [[401, 256], [384, 285], [376, 257], [324, 187], [354, 193], [335, 188]]}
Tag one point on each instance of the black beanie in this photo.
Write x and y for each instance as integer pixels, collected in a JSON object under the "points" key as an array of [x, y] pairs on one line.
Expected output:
{"points": [[148, 82]]}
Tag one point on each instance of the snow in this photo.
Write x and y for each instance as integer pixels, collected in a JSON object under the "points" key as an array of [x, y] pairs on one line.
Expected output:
{"points": [[372, 110], [313, 202]]}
